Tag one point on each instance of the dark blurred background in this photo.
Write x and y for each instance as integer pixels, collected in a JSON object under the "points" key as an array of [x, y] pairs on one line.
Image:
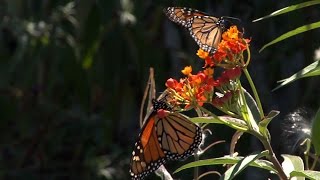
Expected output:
{"points": [[72, 76]]}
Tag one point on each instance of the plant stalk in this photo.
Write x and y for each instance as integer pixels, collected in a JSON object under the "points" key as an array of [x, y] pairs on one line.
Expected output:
{"points": [[255, 93], [314, 163], [272, 157], [196, 155]]}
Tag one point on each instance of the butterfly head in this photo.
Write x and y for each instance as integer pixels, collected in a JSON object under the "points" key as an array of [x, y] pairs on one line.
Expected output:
{"points": [[226, 22], [159, 104]]}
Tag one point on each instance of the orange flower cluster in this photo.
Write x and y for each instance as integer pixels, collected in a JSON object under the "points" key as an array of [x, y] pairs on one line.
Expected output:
{"points": [[231, 46], [196, 89], [192, 90]]}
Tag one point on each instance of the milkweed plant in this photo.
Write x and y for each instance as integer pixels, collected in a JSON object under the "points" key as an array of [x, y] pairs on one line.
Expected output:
{"points": [[205, 90]]}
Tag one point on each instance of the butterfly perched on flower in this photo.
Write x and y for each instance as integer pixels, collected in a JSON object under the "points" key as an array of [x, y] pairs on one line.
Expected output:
{"points": [[165, 135], [206, 30]]}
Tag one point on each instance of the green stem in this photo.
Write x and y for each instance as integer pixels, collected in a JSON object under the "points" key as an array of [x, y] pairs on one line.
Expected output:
{"points": [[314, 162], [196, 155], [306, 153], [241, 126], [224, 110], [306, 157], [272, 157], [196, 169], [249, 56], [255, 93]]}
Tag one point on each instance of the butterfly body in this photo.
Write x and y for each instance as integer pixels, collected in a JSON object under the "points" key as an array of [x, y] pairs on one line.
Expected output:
{"points": [[206, 30], [164, 136]]}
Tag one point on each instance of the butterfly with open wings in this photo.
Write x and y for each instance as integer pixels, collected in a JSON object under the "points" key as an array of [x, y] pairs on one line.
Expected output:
{"points": [[165, 136], [206, 30]]}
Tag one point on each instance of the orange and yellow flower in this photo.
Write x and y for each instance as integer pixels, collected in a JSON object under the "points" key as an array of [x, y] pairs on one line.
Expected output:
{"points": [[187, 70], [193, 90], [202, 54]]}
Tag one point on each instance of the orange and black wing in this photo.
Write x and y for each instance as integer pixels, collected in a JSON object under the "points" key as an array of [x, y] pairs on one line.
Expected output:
{"points": [[205, 30], [182, 15], [178, 136], [147, 155], [170, 137]]}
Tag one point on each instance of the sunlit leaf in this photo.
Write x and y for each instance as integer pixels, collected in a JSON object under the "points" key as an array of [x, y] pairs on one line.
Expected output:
{"points": [[292, 163], [229, 121], [312, 175], [229, 160], [249, 110], [294, 32], [252, 105], [289, 9], [263, 125], [241, 165], [311, 70]]}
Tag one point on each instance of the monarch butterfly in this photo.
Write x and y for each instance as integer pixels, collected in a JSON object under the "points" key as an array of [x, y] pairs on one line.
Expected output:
{"points": [[206, 30], [164, 136]]}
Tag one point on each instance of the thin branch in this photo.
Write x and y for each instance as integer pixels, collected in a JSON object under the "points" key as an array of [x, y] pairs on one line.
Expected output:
{"points": [[208, 173], [212, 144], [149, 90]]}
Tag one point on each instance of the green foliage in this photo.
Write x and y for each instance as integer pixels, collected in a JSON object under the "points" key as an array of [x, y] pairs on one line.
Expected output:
{"points": [[234, 170], [252, 160], [296, 31], [309, 71], [229, 121], [54, 107], [289, 9], [71, 80], [291, 33], [292, 163], [263, 124], [315, 133], [312, 175]]}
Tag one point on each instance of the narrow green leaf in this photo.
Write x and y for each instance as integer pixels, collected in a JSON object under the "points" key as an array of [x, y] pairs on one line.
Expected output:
{"points": [[288, 9], [294, 32], [252, 105], [229, 121], [292, 163], [241, 165], [315, 133], [311, 70], [263, 125], [313, 175], [92, 37], [228, 160], [249, 110]]}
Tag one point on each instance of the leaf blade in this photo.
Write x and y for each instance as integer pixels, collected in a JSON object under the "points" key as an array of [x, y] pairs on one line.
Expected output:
{"points": [[291, 33], [288, 9], [227, 160], [226, 120], [292, 163], [313, 175], [311, 70], [241, 165]]}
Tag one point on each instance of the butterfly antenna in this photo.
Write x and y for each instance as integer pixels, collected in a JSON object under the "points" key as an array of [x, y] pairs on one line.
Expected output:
{"points": [[230, 17]]}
